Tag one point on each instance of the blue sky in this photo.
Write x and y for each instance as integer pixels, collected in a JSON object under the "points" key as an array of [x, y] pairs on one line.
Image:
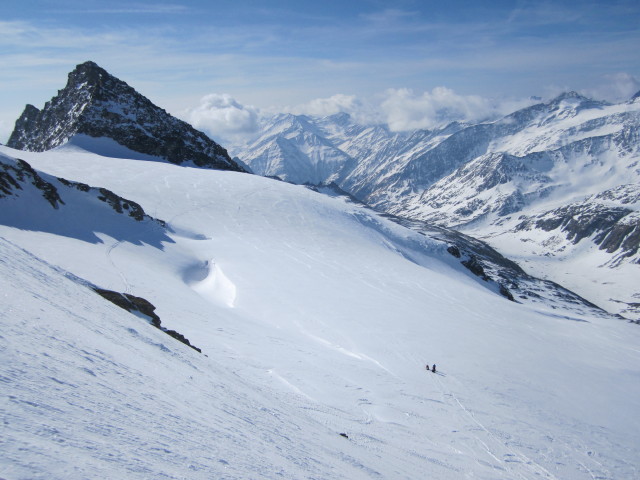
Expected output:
{"points": [[390, 59]]}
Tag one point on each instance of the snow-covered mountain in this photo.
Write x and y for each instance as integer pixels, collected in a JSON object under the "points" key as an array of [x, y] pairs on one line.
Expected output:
{"points": [[560, 194], [295, 149], [167, 322], [567, 149], [492, 179], [100, 112], [315, 316]]}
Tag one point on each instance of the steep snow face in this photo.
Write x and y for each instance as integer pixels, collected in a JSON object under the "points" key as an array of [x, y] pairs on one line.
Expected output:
{"points": [[96, 104], [316, 317]]}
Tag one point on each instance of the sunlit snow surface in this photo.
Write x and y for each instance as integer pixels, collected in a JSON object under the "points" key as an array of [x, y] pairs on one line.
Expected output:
{"points": [[315, 318]]}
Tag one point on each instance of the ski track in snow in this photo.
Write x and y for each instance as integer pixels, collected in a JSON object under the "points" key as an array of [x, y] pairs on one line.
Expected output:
{"points": [[109, 255], [535, 468]]}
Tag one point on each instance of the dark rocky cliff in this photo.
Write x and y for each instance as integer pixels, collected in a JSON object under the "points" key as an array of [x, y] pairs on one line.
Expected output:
{"points": [[97, 104]]}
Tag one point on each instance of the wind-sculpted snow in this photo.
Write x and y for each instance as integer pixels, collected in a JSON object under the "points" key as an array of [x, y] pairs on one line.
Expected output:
{"points": [[336, 312], [209, 280]]}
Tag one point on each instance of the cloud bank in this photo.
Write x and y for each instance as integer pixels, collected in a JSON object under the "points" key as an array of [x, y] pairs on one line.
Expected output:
{"points": [[400, 109], [223, 118], [616, 87], [404, 109]]}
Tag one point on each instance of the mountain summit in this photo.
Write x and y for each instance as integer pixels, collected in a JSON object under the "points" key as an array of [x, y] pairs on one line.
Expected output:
{"points": [[97, 104]]}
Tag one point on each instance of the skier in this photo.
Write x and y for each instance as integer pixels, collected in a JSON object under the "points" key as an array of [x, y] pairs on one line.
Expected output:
{"points": [[433, 369], [428, 367]]}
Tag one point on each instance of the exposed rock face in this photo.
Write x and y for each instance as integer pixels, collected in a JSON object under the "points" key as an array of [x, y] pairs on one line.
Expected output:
{"points": [[97, 104], [613, 228], [14, 176]]}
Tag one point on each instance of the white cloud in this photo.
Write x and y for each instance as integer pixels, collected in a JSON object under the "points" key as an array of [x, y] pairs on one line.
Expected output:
{"points": [[223, 118], [405, 109], [328, 106], [616, 87], [361, 111]]}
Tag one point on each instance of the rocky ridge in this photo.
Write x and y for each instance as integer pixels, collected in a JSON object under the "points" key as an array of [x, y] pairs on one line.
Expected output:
{"points": [[30, 199], [18, 176], [97, 104]]}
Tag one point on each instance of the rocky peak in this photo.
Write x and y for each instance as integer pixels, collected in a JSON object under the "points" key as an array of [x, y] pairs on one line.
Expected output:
{"points": [[96, 104], [577, 101], [572, 95], [90, 73]]}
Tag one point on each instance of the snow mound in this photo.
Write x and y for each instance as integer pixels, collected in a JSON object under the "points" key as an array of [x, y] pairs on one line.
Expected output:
{"points": [[208, 280]]}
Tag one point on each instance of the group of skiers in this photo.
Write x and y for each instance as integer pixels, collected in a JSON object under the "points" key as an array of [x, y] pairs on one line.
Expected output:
{"points": [[433, 369]]}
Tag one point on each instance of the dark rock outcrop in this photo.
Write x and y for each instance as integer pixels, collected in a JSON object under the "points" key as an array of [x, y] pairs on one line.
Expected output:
{"points": [[134, 304], [13, 177], [614, 228], [475, 267], [16, 174], [97, 104]]}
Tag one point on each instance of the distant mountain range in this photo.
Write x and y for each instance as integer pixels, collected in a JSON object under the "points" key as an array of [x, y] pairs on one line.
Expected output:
{"points": [[554, 186], [557, 180], [98, 113]]}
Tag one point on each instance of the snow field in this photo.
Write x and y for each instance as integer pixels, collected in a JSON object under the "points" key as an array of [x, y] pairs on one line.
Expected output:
{"points": [[316, 318]]}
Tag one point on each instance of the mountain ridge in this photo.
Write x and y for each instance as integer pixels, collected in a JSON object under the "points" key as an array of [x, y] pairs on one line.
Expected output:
{"points": [[96, 104]]}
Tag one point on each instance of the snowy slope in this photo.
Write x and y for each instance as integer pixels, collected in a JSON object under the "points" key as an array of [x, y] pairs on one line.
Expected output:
{"points": [[315, 318], [539, 185]]}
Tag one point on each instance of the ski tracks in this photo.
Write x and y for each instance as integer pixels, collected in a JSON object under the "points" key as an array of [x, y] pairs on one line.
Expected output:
{"points": [[109, 255], [532, 467]]}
